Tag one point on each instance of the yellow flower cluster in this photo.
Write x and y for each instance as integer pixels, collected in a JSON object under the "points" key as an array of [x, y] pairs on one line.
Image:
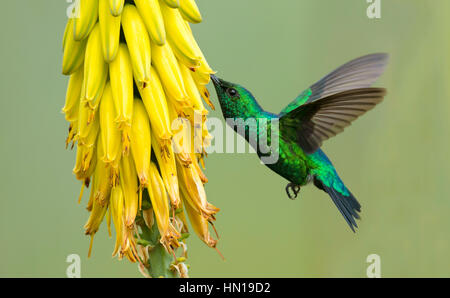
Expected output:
{"points": [[134, 104]]}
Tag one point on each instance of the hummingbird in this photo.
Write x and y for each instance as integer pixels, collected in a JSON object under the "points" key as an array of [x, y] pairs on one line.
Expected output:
{"points": [[320, 112]]}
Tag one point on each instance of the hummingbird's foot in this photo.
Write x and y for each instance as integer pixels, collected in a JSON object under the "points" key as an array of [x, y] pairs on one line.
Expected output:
{"points": [[295, 190]]}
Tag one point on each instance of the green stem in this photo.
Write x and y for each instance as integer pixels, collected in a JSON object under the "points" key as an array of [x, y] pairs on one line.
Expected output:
{"points": [[160, 260]]}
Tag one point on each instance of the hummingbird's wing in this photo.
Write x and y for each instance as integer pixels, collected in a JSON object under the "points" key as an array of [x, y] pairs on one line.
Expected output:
{"points": [[359, 73], [314, 122]]}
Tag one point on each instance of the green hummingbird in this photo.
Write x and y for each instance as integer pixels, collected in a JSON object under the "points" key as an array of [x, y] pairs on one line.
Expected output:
{"points": [[317, 114]]}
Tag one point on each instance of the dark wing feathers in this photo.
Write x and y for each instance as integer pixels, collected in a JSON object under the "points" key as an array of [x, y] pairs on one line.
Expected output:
{"points": [[324, 118], [356, 74], [359, 73]]}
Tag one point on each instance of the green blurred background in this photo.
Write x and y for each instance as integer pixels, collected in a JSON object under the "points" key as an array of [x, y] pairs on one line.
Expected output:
{"points": [[394, 159]]}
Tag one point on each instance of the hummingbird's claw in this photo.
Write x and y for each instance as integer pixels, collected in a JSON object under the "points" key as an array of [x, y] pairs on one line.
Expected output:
{"points": [[294, 188]]}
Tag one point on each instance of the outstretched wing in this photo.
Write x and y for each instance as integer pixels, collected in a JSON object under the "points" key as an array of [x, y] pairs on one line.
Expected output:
{"points": [[359, 73], [316, 121]]}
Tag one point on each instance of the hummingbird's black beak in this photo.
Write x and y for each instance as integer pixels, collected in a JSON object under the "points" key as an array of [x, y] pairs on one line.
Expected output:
{"points": [[216, 80]]}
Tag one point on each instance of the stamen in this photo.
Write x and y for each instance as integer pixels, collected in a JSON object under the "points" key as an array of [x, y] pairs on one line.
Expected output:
{"points": [[220, 254], [215, 231], [81, 193], [90, 246]]}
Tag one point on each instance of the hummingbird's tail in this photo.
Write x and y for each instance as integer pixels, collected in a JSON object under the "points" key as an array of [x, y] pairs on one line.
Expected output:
{"points": [[327, 179], [346, 203]]}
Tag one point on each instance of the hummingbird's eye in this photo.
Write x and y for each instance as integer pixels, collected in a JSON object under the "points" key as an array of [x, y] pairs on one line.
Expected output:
{"points": [[232, 93]]}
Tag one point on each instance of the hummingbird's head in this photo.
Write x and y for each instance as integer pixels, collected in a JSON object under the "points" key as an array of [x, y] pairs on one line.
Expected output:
{"points": [[235, 100]]}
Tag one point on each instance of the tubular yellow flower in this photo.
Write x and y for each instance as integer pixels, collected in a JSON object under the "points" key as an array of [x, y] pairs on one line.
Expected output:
{"points": [[167, 66], [89, 147], [189, 11], [199, 224], [182, 136], [194, 193], [167, 165], [150, 12], [121, 76], [192, 90], [109, 131], [85, 119], [73, 95], [204, 66], [74, 51], [110, 30], [110, 134], [98, 201], [137, 159], [138, 42], [85, 21], [160, 205], [178, 36], [95, 70], [129, 183], [91, 137], [87, 126], [141, 142], [86, 151], [155, 103], [102, 179], [117, 206]]}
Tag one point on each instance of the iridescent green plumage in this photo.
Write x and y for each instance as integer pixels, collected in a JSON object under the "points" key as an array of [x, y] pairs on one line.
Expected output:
{"points": [[320, 112]]}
